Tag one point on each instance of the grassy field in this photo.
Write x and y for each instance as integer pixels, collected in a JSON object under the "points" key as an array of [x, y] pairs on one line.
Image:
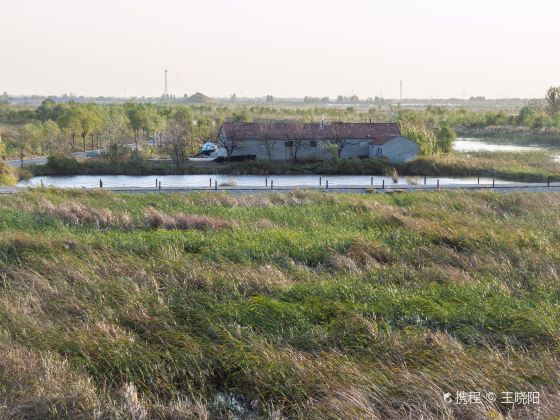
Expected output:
{"points": [[296, 305]]}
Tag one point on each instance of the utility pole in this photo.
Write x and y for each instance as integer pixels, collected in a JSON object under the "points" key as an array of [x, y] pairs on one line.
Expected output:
{"points": [[166, 90]]}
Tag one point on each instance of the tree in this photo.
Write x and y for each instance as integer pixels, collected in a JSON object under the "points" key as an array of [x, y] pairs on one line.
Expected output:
{"points": [[51, 140], [445, 136], [266, 132], [229, 142], [553, 100], [136, 120], [28, 138], [89, 121], [241, 115], [337, 138], [69, 123], [116, 125], [177, 133], [419, 133], [297, 136]]}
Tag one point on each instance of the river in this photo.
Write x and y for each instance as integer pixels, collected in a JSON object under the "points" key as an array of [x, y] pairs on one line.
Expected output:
{"points": [[198, 181]]}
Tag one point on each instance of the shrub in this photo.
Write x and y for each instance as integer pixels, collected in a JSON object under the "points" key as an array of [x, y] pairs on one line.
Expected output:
{"points": [[7, 175], [62, 165]]}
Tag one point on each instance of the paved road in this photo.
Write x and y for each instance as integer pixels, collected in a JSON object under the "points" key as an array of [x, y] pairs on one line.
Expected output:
{"points": [[41, 160], [27, 162]]}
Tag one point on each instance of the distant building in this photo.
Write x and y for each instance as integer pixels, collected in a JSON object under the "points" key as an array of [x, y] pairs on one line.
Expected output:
{"points": [[198, 98], [282, 141]]}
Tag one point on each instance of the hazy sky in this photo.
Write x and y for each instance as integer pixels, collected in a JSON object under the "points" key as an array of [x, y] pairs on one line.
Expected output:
{"points": [[440, 48]]}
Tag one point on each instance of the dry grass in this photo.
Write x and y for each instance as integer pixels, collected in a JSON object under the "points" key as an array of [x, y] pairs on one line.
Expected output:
{"points": [[75, 213], [156, 219], [358, 307]]}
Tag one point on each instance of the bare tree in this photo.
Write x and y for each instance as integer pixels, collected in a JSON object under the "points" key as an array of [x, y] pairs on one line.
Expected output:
{"points": [[267, 135], [297, 136], [229, 142], [177, 133], [338, 138]]}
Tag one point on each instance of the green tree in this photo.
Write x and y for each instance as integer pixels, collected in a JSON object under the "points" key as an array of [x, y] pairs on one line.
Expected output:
{"points": [[70, 123], [28, 139], [51, 140], [553, 101], [136, 120], [421, 134], [89, 119], [445, 136]]}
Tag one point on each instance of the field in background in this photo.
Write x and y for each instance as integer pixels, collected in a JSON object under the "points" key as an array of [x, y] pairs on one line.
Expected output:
{"points": [[298, 304]]}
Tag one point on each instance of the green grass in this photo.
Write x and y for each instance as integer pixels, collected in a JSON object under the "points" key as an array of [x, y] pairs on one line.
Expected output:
{"points": [[297, 305], [517, 166]]}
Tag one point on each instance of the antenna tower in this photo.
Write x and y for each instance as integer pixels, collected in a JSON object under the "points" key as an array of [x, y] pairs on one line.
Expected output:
{"points": [[166, 91]]}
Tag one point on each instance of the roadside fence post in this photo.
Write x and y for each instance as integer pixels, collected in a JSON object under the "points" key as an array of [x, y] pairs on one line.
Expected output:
{"points": [[424, 179], [438, 183], [215, 184], [100, 183], [320, 181], [159, 185], [266, 182], [371, 181], [548, 182], [42, 184], [327, 183], [156, 183], [271, 184], [383, 186], [478, 181], [493, 182]]}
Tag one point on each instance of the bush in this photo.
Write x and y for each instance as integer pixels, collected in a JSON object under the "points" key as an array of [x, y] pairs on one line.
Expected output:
{"points": [[7, 175], [62, 165]]}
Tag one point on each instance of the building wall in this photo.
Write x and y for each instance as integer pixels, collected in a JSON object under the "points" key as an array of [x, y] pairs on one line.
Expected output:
{"points": [[319, 150], [398, 150]]}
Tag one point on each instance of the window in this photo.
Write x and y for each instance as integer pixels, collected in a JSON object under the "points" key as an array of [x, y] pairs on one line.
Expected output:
{"points": [[289, 143], [363, 144], [379, 152], [313, 143]]}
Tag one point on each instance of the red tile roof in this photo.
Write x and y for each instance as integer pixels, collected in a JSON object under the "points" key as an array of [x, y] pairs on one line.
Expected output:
{"points": [[311, 131]]}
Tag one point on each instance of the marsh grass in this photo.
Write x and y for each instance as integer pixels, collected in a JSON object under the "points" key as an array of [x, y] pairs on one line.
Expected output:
{"points": [[281, 305], [534, 166]]}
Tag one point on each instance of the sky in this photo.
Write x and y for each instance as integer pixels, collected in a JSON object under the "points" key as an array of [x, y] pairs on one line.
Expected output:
{"points": [[285, 48]]}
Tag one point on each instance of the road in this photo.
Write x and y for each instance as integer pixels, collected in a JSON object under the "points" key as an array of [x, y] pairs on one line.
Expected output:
{"points": [[27, 162], [41, 160]]}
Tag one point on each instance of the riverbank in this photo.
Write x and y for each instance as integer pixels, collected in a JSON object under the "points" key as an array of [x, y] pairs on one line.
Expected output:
{"points": [[516, 166], [514, 135], [525, 166], [277, 305]]}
